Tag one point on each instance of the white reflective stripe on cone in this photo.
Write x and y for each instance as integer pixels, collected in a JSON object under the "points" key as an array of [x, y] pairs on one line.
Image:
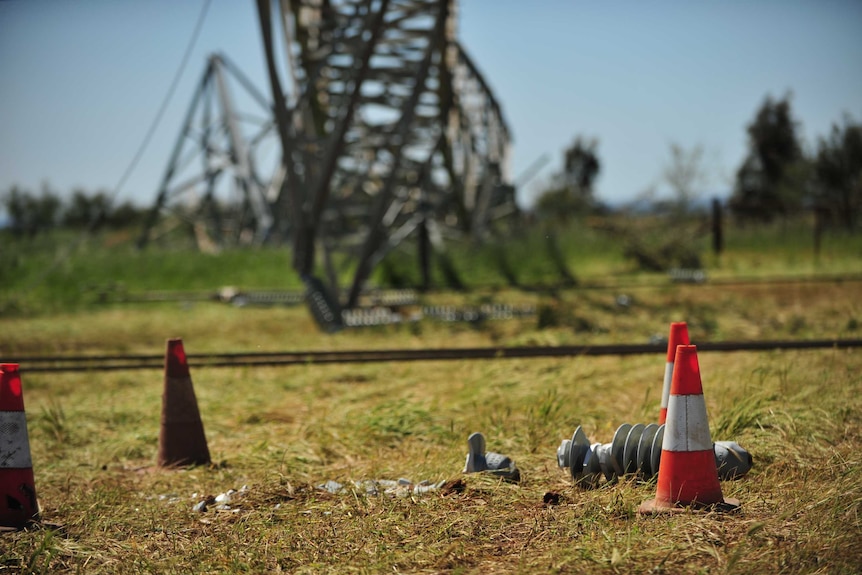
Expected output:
{"points": [[14, 443], [668, 376], [687, 427]]}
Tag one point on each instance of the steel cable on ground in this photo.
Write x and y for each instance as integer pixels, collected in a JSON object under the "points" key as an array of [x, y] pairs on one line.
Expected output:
{"points": [[36, 364]]}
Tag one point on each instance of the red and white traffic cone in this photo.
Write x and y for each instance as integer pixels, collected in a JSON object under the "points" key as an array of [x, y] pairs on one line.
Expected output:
{"points": [[678, 336], [181, 437], [18, 505], [687, 476]]}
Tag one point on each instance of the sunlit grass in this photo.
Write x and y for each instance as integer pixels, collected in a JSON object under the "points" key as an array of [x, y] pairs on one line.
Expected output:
{"points": [[55, 273], [283, 431]]}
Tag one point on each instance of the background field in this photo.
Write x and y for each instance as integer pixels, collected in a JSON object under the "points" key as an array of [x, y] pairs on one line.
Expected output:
{"points": [[283, 431]]}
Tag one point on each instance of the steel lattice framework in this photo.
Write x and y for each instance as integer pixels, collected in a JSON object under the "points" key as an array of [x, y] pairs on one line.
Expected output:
{"points": [[386, 128], [214, 175]]}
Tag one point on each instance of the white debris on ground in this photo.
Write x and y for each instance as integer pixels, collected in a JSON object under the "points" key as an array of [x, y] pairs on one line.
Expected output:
{"points": [[400, 488], [231, 501], [227, 501]]}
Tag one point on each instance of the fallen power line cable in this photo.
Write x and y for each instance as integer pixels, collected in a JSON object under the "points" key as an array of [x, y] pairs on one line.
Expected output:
{"points": [[35, 364]]}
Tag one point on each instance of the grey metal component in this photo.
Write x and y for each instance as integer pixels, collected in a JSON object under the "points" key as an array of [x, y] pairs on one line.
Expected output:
{"points": [[479, 460], [579, 448], [732, 460], [564, 452], [379, 312], [260, 298], [629, 462], [655, 456], [684, 275], [492, 312], [585, 463], [476, 456], [636, 450], [324, 307], [645, 447], [358, 317], [618, 447], [592, 472], [606, 462], [392, 297]]}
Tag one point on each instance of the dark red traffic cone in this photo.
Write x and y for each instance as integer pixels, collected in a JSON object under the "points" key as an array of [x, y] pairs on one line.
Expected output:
{"points": [[181, 438], [18, 505]]}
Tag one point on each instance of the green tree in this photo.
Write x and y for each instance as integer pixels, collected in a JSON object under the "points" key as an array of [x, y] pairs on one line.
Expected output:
{"points": [[838, 173], [571, 191], [30, 215], [86, 211], [772, 180], [125, 215], [686, 177]]}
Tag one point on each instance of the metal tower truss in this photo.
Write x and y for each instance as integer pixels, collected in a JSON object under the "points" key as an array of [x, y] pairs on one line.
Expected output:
{"points": [[383, 129], [224, 174], [387, 128]]}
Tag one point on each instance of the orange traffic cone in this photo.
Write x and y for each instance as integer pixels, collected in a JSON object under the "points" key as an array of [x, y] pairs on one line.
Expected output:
{"points": [[181, 438], [687, 474], [17, 487], [678, 336]]}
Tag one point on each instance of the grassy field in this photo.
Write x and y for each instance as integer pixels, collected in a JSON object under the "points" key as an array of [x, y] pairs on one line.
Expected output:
{"points": [[282, 432], [62, 271]]}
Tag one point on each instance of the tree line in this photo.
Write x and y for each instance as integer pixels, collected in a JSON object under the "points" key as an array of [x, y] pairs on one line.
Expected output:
{"points": [[778, 177], [31, 214]]}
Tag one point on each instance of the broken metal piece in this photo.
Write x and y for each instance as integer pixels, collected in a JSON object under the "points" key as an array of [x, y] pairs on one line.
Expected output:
{"points": [[732, 460], [630, 451], [580, 446], [479, 460]]}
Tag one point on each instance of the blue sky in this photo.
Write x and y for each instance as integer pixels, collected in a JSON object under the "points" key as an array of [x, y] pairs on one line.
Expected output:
{"points": [[81, 82]]}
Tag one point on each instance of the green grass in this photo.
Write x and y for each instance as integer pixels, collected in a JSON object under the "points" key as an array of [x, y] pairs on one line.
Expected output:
{"points": [[283, 431], [788, 248], [62, 271]]}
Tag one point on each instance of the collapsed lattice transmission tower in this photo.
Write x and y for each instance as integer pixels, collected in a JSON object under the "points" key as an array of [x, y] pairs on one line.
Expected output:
{"points": [[387, 130], [214, 179]]}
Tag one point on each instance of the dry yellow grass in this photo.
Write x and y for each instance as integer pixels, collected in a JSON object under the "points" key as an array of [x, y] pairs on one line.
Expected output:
{"points": [[283, 431]]}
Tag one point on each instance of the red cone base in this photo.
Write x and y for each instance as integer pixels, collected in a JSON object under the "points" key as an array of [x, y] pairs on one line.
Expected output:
{"points": [[18, 505], [690, 482]]}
